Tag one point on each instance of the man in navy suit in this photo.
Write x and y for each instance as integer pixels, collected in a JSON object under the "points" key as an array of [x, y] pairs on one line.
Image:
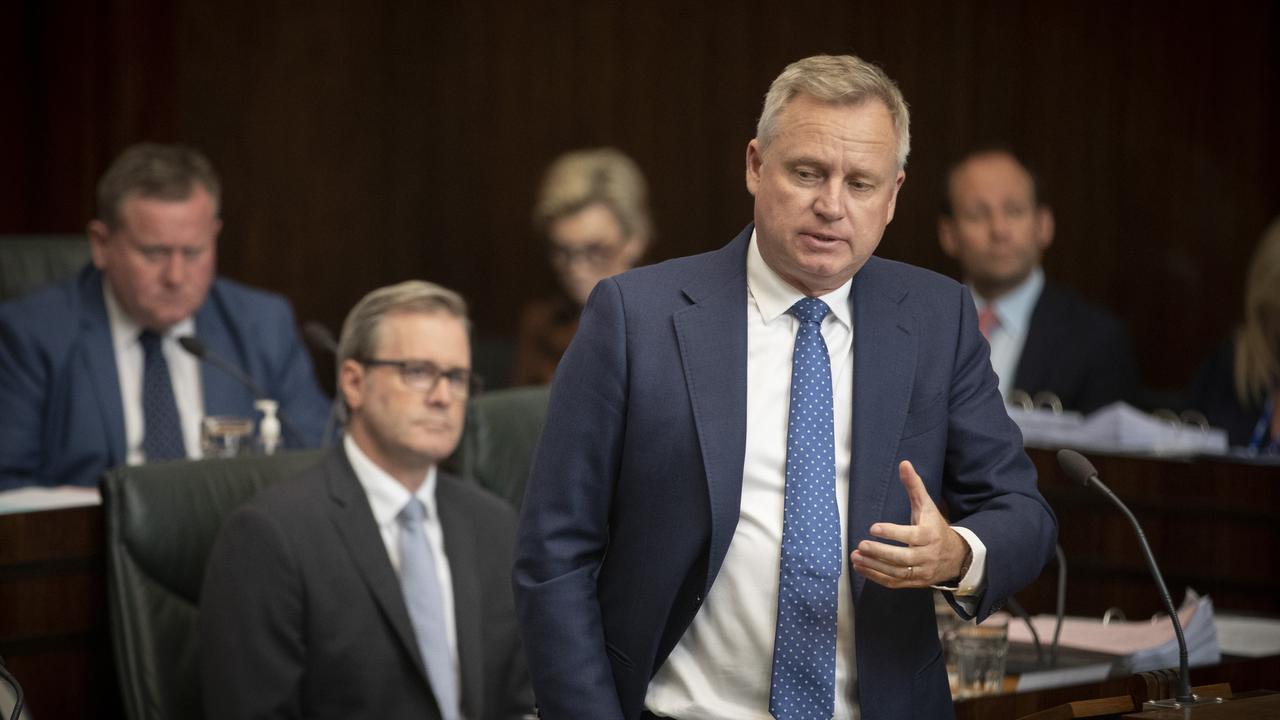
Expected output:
{"points": [[91, 373], [696, 506], [1043, 338]]}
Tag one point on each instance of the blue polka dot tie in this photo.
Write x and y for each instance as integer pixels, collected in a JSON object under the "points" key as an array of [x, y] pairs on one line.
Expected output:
{"points": [[804, 648], [161, 428]]}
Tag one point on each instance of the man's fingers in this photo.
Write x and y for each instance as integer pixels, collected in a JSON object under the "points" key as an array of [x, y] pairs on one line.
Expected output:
{"points": [[916, 491]]}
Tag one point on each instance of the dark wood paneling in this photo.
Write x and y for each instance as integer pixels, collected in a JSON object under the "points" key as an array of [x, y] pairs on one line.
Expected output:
{"points": [[53, 613], [1213, 526], [365, 143]]}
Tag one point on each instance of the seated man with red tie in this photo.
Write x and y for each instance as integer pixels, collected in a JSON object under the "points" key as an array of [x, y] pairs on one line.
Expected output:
{"points": [[1042, 337]]}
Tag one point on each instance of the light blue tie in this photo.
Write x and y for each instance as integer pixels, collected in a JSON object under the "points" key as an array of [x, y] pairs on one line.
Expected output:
{"points": [[424, 598], [161, 426], [804, 647]]}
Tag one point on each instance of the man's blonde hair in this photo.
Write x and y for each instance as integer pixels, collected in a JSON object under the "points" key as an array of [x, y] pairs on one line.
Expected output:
{"points": [[843, 79]]}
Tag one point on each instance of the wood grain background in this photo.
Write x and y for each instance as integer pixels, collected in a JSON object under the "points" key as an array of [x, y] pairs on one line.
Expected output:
{"points": [[364, 143]]}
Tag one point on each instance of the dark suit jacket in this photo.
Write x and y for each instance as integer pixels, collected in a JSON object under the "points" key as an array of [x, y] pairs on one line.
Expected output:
{"points": [[63, 423], [634, 494], [1213, 392], [301, 613], [1077, 351]]}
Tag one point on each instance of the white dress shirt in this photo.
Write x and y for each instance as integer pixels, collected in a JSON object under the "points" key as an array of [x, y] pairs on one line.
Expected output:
{"points": [[184, 373], [387, 497], [722, 666], [1013, 310]]}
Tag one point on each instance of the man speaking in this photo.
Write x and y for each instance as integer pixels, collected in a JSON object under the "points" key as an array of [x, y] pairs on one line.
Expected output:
{"points": [[731, 433]]}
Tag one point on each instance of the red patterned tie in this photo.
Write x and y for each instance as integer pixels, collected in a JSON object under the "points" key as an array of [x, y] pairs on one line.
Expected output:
{"points": [[988, 321]]}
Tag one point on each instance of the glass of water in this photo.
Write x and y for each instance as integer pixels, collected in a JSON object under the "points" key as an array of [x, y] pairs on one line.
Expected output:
{"points": [[223, 436]]}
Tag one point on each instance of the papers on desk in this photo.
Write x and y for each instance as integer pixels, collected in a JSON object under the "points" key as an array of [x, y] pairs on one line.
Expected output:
{"points": [[1136, 646], [1248, 636], [1118, 427], [35, 499]]}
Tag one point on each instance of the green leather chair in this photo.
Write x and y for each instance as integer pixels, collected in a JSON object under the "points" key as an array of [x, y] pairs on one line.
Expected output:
{"points": [[161, 520], [29, 261], [501, 433]]}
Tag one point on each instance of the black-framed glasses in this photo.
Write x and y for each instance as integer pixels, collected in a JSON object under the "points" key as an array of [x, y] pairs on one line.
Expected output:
{"points": [[597, 254], [424, 375]]}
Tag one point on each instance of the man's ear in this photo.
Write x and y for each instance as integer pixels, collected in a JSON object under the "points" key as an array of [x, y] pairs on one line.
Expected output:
{"points": [[755, 158], [947, 235], [99, 236], [351, 383], [1044, 227]]}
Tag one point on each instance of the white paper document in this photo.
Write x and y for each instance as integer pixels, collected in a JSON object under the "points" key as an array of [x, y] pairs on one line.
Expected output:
{"points": [[35, 499]]}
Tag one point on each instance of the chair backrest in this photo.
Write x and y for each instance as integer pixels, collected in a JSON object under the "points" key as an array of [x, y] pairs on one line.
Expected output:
{"points": [[29, 261], [161, 520], [501, 433]]}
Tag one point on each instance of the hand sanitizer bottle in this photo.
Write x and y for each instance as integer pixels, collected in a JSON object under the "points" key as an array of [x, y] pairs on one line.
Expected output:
{"points": [[269, 426]]}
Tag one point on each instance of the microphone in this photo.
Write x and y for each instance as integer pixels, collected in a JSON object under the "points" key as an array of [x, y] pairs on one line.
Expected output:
{"points": [[319, 336], [1016, 608], [1081, 471], [1061, 606], [11, 699], [196, 347]]}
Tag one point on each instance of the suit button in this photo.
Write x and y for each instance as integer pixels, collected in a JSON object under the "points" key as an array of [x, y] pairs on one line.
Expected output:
{"points": [[697, 601]]}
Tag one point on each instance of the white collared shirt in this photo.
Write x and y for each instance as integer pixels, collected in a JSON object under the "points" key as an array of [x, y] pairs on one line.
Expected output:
{"points": [[184, 373], [387, 497], [723, 664], [1013, 310]]}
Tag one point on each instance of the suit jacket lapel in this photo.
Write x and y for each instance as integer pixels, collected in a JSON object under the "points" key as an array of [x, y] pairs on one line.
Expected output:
{"points": [[884, 363], [712, 337], [223, 394], [463, 569], [1033, 361], [354, 521], [99, 356]]}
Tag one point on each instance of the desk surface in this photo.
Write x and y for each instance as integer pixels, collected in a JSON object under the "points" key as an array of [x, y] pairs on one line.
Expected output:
{"points": [[1198, 514]]}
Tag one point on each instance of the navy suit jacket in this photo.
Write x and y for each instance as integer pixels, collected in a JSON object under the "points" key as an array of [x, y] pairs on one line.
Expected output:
{"points": [[63, 423], [1077, 351], [634, 494], [302, 615]]}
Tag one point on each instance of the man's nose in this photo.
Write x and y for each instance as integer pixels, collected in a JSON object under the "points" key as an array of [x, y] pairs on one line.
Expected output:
{"points": [[1000, 226], [175, 268], [829, 204]]}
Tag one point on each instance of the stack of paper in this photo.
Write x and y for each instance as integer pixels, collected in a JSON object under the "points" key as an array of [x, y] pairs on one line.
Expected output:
{"points": [[1137, 646], [33, 499], [1118, 427]]}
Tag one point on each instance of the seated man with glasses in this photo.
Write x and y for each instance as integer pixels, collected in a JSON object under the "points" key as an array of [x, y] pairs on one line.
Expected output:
{"points": [[373, 585]]}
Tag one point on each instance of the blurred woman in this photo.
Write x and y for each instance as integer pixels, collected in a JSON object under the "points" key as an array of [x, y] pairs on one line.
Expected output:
{"points": [[1239, 387], [593, 210]]}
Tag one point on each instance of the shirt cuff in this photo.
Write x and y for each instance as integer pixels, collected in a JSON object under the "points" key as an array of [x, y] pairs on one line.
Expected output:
{"points": [[974, 581]]}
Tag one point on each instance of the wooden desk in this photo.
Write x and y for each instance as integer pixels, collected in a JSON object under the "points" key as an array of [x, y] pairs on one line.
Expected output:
{"points": [[53, 613], [1214, 525], [1243, 676]]}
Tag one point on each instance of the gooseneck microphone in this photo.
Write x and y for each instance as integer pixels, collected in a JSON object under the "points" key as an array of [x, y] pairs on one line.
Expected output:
{"points": [[12, 699], [320, 336], [1081, 471], [1061, 606], [196, 347]]}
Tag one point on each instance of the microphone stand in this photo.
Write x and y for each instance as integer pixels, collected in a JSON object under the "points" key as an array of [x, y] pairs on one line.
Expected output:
{"points": [[1081, 471]]}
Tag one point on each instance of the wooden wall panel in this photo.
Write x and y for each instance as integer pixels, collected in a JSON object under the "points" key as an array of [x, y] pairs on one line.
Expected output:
{"points": [[366, 143]]}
